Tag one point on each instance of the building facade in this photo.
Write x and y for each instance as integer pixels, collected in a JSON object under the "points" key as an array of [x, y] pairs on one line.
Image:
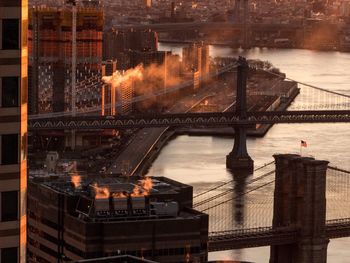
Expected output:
{"points": [[13, 129], [148, 218], [50, 54], [117, 42]]}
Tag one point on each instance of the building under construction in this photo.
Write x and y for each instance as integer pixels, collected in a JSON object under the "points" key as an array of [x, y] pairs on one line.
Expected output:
{"points": [[50, 55], [195, 58], [83, 218]]}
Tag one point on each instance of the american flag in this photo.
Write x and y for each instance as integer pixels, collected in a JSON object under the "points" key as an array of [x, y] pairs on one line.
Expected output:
{"points": [[303, 143]]}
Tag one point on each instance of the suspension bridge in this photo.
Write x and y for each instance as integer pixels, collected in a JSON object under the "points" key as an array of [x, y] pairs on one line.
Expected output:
{"points": [[316, 105], [285, 202]]}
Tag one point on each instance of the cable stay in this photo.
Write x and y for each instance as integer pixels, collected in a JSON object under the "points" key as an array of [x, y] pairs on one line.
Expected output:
{"points": [[231, 190], [228, 182]]}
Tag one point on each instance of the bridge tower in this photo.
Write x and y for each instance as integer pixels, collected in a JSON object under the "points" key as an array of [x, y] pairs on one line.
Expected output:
{"points": [[300, 202], [239, 159]]}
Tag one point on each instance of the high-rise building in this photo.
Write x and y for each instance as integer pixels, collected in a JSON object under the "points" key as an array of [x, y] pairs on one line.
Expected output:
{"points": [[116, 42], [148, 58], [192, 57], [196, 58], [50, 53], [108, 89], [109, 67], [124, 94], [149, 218], [13, 129]]}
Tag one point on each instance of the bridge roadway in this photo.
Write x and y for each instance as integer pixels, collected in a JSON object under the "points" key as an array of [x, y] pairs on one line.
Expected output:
{"points": [[266, 236], [217, 119], [146, 139]]}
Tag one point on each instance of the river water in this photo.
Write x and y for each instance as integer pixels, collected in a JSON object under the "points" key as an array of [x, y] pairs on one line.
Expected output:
{"points": [[201, 160]]}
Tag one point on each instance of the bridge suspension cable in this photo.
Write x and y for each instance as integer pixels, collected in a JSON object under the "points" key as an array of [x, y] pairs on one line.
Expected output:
{"points": [[311, 97], [308, 85], [252, 207], [212, 198], [229, 182], [338, 193], [235, 197]]}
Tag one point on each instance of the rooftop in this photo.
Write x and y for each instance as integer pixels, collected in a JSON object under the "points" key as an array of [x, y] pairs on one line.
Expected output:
{"points": [[97, 198]]}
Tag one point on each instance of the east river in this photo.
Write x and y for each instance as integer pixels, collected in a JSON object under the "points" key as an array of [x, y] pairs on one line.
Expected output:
{"points": [[201, 160]]}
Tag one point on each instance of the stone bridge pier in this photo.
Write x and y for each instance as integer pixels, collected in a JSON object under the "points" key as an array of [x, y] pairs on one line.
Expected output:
{"points": [[300, 202]]}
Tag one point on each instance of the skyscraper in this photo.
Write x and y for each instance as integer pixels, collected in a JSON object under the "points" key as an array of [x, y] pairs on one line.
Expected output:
{"points": [[13, 129], [50, 53]]}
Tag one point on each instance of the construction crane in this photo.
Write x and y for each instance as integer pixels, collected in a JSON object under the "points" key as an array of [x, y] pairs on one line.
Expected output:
{"points": [[73, 3]]}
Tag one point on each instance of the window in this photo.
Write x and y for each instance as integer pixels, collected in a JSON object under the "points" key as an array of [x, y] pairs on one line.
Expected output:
{"points": [[9, 149], [9, 206], [9, 92], [9, 255], [10, 34]]}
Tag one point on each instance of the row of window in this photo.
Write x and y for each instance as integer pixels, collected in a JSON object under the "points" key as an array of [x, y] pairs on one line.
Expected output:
{"points": [[10, 34]]}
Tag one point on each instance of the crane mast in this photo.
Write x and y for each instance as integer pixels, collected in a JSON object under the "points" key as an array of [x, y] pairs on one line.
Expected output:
{"points": [[74, 57], [73, 3]]}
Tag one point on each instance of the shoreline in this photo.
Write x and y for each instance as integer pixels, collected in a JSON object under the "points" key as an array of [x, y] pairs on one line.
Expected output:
{"points": [[144, 166], [229, 132], [231, 45]]}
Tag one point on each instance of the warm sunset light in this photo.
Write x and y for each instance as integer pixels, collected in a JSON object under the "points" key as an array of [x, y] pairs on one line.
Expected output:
{"points": [[174, 131]]}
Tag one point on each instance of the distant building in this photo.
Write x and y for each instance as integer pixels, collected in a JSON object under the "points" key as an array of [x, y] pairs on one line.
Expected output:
{"points": [[109, 67], [50, 51], [124, 94], [13, 130], [116, 42], [148, 57], [108, 100], [82, 218], [195, 58], [108, 93]]}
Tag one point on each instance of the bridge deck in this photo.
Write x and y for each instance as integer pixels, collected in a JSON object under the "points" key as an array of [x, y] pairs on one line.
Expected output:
{"points": [[267, 236], [221, 119]]}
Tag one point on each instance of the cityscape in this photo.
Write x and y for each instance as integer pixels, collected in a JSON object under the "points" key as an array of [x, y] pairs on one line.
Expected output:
{"points": [[168, 131]]}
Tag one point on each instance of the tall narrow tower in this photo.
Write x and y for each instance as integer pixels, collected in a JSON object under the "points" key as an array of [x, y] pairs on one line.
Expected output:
{"points": [[13, 129]]}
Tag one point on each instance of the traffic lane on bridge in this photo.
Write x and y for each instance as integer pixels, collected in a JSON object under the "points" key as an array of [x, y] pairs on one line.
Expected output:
{"points": [[145, 139], [129, 160]]}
